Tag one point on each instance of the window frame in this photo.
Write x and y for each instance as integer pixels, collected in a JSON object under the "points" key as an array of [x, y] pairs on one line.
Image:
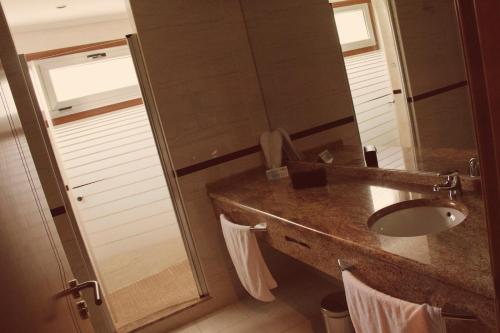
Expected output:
{"points": [[85, 103], [363, 46]]}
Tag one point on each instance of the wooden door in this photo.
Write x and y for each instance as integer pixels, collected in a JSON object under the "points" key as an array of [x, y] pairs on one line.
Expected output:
{"points": [[40, 249], [33, 266]]}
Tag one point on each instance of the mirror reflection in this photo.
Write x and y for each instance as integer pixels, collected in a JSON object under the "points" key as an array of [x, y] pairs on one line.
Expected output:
{"points": [[376, 82]]}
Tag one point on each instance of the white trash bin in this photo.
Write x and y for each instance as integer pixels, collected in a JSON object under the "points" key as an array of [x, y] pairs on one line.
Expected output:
{"points": [[336, 314]]}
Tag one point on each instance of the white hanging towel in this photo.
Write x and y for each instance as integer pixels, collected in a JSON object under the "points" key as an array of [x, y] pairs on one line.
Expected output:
{"points": [[374, 312], [248, 261]]}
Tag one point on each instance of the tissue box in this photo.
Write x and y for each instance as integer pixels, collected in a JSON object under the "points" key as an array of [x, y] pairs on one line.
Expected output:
{"points": [[308, 178]]}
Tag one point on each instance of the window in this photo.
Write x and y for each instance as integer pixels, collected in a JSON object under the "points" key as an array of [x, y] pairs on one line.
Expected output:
{"points": [[355, 27], [88, 80]]}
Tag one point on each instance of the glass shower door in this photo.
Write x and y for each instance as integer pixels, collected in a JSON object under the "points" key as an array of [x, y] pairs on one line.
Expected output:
{"points": [[118, 177]]}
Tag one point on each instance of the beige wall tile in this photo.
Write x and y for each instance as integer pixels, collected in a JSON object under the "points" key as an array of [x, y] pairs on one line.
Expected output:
{"points": [[299, 61], [431, 44], [348, 133], [207, 92], [203, 76], [434, 59], [445, 121]]}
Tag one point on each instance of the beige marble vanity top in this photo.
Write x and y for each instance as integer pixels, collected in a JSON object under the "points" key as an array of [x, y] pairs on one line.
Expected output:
{"points": [[458, 256]]}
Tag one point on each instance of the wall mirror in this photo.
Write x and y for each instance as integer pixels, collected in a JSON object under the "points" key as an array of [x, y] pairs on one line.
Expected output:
{"points": [[348, 74]]}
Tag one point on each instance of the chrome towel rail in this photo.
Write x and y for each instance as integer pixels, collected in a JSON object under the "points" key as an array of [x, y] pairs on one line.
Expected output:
{"points": [[261, 227], [344, 266]]}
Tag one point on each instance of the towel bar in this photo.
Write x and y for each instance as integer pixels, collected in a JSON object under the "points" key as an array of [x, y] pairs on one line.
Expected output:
{"points": [[344, 266], [261, 227]]}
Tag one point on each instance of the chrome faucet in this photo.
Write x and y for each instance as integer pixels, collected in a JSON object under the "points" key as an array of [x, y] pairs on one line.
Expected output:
{"points": [[451, 183]]}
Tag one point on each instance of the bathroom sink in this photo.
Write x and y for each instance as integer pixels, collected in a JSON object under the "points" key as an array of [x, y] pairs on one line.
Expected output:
{"points": [[417, 217]]}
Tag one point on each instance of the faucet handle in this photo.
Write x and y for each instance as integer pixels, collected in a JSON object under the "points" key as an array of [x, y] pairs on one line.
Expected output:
{"points": [[451, 183], [450, 175], [474, 167]]}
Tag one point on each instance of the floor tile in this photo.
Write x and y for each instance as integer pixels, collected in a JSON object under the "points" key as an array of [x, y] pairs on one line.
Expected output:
{"points": [[193, 328], [223, 318], [295, 310]]}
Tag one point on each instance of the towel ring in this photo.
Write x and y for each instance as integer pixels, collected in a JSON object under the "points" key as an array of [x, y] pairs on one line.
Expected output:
{"points": [[261, 227], [344, 266]]}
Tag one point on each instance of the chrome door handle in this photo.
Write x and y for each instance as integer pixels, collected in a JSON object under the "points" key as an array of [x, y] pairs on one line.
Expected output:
{"points": [[75, 288]]}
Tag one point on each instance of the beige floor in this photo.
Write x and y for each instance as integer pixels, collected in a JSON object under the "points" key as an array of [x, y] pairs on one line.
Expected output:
{"points": [[296, 310], [163, 292]]}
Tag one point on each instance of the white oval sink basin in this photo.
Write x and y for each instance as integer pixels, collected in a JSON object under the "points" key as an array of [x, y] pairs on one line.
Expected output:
{"points": [[417, 217]]}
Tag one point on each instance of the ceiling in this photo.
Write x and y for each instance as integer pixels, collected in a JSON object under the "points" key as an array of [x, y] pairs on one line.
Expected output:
{"points": [[26, 15]]}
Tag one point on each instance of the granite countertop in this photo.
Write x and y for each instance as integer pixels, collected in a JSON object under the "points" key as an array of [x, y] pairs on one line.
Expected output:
{"points": [[458, 256], [421, 159]]}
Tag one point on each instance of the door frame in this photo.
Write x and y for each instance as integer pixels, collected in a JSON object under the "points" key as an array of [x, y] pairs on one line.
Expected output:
{"points": [[478, 20], [41, 298], [166, 162], [35, 131], [405, 79]]}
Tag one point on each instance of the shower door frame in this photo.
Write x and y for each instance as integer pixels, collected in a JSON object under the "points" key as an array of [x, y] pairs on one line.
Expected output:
{"points": [[166, 162], [167, 166]]}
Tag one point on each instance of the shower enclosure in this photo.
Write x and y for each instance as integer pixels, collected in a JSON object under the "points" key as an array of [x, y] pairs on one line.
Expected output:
{"points": [[104, 132]]}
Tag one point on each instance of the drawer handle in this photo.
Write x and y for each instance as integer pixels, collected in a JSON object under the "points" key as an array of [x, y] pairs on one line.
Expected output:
{"points": [[293, 240]]}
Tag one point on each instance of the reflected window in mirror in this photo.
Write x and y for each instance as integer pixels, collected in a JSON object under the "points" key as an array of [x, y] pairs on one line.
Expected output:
{"points": [[355, 26], [375, 80]]}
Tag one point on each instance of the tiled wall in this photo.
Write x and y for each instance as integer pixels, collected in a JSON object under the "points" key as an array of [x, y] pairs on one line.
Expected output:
{"points": [[433, 59], [207, 92], [445, 121], [203, 75], [209, 96], [300, 65]]}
